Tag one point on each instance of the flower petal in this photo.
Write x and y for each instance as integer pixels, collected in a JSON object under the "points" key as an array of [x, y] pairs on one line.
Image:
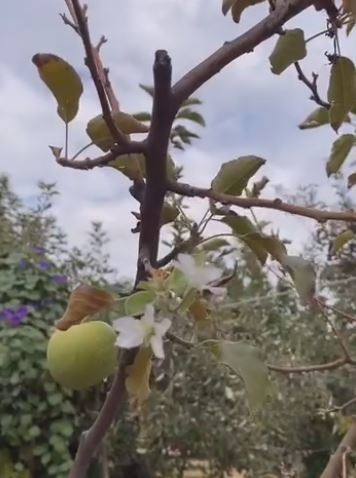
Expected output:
{"points": [[123, 323], [186, 264], [157, 346], [129, 340], [149, 315], [162, 327], [210, 273]]}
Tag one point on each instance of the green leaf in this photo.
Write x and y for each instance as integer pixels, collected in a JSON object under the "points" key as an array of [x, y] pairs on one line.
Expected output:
{"points": [[63, 81], [244, 359], [214, 244], [99, 133], [192, 101], [234, 175], [177, 282], [290, 47], [341, 91], [339, 152], [132, 166], [136, 303], [260, 244], [148, 89], [188, 114], [142, 116], [351, 180], [169, 213], [318, 117], [138, 375], [303, 275], [340, 240]]}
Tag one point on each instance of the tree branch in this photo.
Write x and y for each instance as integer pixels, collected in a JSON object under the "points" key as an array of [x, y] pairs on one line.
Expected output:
{"points": [[245, 43], [156, 156], [309, 368], [312, 85], [90, 441], [99, 80], [88, 163], [276, 204], [335, 465], [156, 159]]}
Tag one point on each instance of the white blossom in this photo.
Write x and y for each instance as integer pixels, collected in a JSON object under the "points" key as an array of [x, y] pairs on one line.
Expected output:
{"points": [[199, 276], [148, 331]]}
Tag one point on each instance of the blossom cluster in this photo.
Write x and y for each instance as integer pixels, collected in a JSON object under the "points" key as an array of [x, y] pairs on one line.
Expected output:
{"points": [[151, 328]]}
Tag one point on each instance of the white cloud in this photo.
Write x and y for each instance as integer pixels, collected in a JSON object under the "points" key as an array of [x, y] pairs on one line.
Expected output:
{"points": [[248, 110]]}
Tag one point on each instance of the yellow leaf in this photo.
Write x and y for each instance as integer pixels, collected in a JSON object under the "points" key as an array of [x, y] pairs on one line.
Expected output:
{"points": [[63, 81], [290, 47], [84, 301], [100, 135], [138, 375], [131, 165]]}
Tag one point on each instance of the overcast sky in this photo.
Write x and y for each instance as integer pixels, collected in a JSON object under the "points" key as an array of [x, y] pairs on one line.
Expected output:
{"points": [[248, 110]]}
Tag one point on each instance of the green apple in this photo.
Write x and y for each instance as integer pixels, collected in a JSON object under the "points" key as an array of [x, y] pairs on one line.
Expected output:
{"points": [[83, 355]]}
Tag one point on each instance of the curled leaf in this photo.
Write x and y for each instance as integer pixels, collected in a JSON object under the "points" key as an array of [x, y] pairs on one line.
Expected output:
{"points": [[63, 81], [244, 359], [138, 375], [260, 244], [234, 175], [84, 301], [99, 133], [341, 90], [290, 47], [340, 150]]}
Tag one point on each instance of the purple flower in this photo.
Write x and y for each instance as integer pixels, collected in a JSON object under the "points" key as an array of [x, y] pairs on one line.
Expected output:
{"points": [[60, 279], [14, 317], [23, 263], [44, 265]]}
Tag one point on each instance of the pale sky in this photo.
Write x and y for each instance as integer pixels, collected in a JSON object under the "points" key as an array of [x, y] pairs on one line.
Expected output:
{"points": [[248, 110]]}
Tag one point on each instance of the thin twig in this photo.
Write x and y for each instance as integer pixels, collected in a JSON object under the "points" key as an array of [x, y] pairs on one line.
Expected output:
{"points": [[341, 408], [178, 340], [88, 163], [312, 85], [276, 204], [309, 368], [337, 333], [92, 62]]}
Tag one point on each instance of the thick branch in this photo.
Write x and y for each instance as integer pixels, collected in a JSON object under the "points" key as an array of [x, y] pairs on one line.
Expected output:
{"points": [[99, 82], [334, 467], [113, 405], [276, 204], [156, 155], [245, 43], [156, 159], [88, 163]]}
